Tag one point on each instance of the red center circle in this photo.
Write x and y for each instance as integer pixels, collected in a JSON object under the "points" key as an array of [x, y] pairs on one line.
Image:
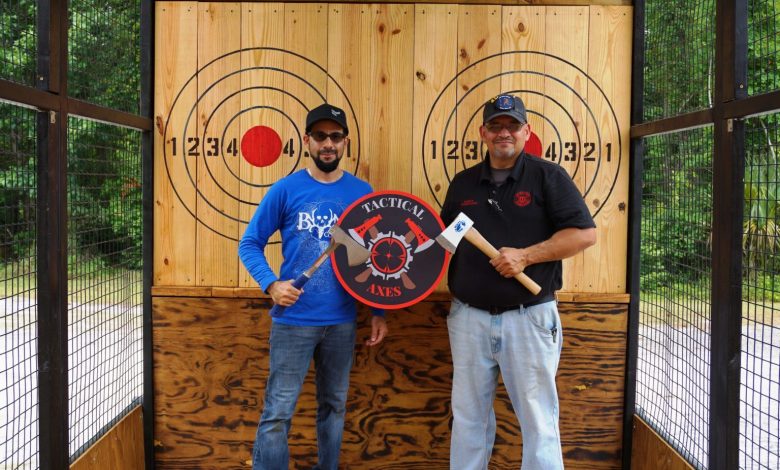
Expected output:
{"points": [[261, 146], [534, 145]]}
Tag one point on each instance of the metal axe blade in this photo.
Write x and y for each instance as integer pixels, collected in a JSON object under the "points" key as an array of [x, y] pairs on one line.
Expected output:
{"points": [[453, 234], [356, 253]]}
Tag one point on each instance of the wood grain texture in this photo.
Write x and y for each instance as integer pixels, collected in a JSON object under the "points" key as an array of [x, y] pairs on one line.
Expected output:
{"points": [[649, 451], [435, 65], [479, 78], [568, 114], [499, 2], [262, 82], [219, 35], [608, 66], [176, 61], [211, 364], [255, 293], [523, 30], [412, 80], [121, 448]]}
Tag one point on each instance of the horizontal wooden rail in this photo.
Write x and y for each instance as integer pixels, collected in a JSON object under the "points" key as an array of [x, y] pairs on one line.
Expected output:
{"points": [[256, 293]]}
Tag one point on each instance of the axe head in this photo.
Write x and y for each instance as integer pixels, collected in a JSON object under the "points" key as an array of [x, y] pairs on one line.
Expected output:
{"points": [[356, 253], [453, 234]]}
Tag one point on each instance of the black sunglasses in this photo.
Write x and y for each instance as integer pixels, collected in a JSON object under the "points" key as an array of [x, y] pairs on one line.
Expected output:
{"points": [[335, 137], [496, 127]]}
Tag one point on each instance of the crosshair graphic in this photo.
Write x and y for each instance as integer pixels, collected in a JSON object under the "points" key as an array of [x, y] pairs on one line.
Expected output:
{"points": [[564, 143], [391, 255], [261, 151]]}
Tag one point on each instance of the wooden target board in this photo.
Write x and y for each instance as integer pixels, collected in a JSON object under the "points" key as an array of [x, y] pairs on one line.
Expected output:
{"points": [[234, 82]]}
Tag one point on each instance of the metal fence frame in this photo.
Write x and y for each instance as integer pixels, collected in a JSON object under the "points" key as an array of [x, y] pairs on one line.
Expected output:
{"points": [[50, 98], [730, 107]]}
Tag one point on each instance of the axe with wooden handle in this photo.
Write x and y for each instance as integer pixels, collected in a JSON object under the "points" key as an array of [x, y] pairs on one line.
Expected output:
{"points": [[463, 227], [356, 254]]}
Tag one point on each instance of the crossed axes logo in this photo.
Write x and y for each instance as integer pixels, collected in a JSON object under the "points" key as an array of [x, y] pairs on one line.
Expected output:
{"points": [[391, 253], [405, 263]]}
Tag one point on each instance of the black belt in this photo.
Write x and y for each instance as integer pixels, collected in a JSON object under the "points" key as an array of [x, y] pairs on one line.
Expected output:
{"points": [[498, 310]]}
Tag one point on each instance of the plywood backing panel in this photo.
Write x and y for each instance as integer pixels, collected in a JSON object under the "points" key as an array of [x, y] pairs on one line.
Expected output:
{"points": [[210, 366], [121, 448], [412, 80], [649, 451]]}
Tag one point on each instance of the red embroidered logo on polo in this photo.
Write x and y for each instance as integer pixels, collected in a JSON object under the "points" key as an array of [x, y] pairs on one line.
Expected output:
{"points": [[522, 198], [468, 202]]}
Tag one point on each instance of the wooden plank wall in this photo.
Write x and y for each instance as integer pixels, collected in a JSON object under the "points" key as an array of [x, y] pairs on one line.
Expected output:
{"points": [[121, 448], [649, 451], [412, 79], [211, 362]]}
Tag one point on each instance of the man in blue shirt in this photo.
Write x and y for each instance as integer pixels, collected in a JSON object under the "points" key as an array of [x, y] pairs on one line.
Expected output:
{"points": [[319, 320]]}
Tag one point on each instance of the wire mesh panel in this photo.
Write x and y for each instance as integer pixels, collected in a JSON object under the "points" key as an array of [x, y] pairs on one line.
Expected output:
{"points": [[763, 46], [760, 377], [679, 57], [674, 313], [104, 52], [104, 278], [18, 40], [18, 324]]}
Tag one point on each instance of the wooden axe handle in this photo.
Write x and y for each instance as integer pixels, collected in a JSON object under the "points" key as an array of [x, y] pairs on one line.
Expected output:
{"points": [[476, 239]]}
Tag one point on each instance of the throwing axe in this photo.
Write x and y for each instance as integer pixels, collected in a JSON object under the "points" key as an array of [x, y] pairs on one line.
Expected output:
{"points": [[356, 254], [463, 227]]}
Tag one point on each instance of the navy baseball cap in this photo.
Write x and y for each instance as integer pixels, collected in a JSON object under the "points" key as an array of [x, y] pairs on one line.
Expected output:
{"points": [[327, 112], [504, 105]]}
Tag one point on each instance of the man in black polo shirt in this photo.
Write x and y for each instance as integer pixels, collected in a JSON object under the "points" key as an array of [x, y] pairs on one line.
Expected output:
{"points": [[532, 210]]}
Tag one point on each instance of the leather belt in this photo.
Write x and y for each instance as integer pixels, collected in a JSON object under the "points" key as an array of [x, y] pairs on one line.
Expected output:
{"points": [[499, 309]]}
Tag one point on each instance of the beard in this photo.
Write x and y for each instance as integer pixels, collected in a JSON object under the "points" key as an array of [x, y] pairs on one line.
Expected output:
{"points": [[326, 167], [506, 152]]}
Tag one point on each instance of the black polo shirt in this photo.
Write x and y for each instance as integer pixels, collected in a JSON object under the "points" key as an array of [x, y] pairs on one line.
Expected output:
{"points": [[537, 200]]}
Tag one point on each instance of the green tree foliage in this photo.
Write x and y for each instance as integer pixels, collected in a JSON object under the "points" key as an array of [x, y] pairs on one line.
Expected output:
{"points": [[104, 164], [677, 201]]}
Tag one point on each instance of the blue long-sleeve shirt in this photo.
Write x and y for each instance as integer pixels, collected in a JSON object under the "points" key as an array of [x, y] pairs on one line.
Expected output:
{"points": [[303, 210]]}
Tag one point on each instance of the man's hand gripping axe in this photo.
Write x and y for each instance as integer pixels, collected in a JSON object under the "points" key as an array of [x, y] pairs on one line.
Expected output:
{"points": [[463, 227], [356, 254]]}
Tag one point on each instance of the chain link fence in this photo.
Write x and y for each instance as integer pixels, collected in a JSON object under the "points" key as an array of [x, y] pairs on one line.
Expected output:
{"points": [[103, 173], [18, 264], [674, 335], [675, 340], [105, 312]]}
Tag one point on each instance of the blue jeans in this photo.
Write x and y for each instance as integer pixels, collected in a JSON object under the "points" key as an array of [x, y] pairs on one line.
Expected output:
{"points": [[524, 346], [292, 349]]}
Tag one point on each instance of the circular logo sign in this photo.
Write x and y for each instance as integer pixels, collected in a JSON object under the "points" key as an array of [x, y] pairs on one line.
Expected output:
{"points": [[405, 263]]}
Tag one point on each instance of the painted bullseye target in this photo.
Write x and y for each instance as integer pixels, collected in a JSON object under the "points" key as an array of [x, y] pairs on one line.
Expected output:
{"points": [[573, 123], [236, 127], [261, 146]]}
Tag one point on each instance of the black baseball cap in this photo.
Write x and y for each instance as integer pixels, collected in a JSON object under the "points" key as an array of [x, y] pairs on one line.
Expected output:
{"points": [[327, 112], [504, 105]]}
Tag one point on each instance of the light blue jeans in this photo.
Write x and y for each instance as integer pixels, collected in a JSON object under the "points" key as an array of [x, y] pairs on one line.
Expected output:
{"points": [[292, 349], [525, 346]]}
